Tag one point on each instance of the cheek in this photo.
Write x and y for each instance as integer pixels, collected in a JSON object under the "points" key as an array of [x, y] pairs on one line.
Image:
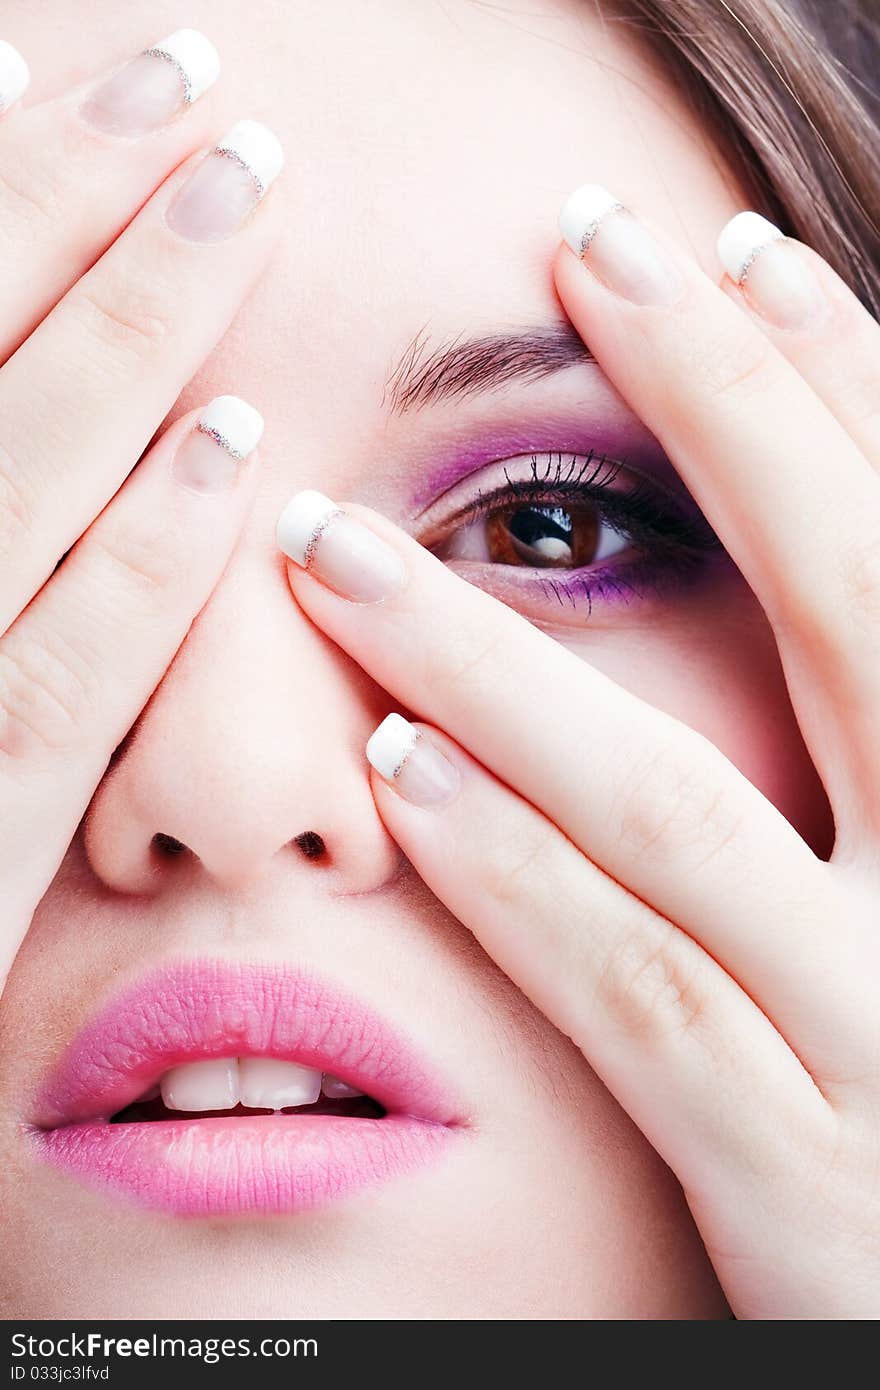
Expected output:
{"points": [[710, 660]]}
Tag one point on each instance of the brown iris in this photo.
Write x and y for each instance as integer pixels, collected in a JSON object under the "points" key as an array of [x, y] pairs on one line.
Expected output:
{"points": [[546, 537]]}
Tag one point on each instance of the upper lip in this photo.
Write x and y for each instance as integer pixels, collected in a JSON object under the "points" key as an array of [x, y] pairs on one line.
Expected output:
{"points": [[195, 1009]]}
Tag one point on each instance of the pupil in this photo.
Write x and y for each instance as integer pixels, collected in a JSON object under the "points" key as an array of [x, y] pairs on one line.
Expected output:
{"points": [[531, 524], [543, 537]]}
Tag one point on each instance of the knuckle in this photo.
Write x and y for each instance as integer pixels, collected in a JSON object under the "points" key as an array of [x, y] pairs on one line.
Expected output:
{"points": [[859, 571], [859, 394], [465, 661], [853, 373], [142, 558], [17, 514], [670, 808], [37, 176], [846, 611], [516, 862], [123, 316], [652, 983], [735, 367], [27, 194], [47, 691]]}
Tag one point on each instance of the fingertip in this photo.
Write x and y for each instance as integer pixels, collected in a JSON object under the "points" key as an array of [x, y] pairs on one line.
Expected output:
{"points": [[216, 445], [15, 76], [407, 758], [740, 240]]}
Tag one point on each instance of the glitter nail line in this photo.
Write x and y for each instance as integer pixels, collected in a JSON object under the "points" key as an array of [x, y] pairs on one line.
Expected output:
{"points": [[163, 53], [229, 153], [220, 439], [407, 753], [594, 226], [753, 256], [314, 538]]}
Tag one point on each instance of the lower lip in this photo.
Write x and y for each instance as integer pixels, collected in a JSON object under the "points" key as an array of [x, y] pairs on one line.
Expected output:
{"points": [[261, 1164], [222, 1165]]}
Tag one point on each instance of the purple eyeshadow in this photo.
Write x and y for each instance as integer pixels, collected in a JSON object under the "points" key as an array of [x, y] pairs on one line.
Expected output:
{"points": [[625, 584], [672, 551], [457, 461]]}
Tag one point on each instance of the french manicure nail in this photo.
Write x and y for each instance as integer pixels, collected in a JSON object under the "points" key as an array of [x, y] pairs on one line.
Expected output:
{"points": [[617, 248], [762, 261], [228, 183], [209, 457], [14, 75], [154, 87], [350, 558], [406, 758]]}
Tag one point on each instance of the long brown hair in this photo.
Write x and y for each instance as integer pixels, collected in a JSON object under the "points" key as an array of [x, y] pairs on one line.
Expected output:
{"points": [[795, 89]]}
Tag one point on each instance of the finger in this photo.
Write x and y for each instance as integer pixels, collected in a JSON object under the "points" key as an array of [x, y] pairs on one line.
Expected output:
{"points": [[795, 502], [698, 1067], [81, 661], [652, 802], [75, 170], [82, 398], [14, 76], [812, 317]]}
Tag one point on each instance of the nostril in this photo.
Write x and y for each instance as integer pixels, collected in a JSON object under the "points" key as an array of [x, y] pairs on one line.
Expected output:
{"points": [[166, 844], [311, 844]]}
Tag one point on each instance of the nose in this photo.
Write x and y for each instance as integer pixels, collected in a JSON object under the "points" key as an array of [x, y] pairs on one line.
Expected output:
{"points": [[249, 759]]}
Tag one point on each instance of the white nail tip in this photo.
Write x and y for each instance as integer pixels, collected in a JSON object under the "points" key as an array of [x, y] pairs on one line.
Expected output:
{"points": [[741, 239], [14, 75], [235, 425], [256, 147], [582, 212], [305, 514], [390, 744], [194, 56]]}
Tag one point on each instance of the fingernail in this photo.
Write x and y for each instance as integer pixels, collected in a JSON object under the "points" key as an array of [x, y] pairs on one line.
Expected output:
{"points": [[14, 75], [209, 458], [406, 758], [763, 262], [228, 183], [351, 559], [154, 87], [617, 248]]}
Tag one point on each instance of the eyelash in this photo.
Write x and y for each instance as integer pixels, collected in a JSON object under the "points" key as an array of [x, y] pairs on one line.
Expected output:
{"points": [[637, 514]]}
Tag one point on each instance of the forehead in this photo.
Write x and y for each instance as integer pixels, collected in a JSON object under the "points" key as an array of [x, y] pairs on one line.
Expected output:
{"points": [[430, 144]]}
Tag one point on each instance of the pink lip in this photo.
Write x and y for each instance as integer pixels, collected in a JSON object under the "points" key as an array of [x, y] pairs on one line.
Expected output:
{"points": [[217, 1166]]}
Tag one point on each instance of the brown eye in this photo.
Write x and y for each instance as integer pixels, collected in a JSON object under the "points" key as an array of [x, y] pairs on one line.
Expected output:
{"points": [[549, 536]]}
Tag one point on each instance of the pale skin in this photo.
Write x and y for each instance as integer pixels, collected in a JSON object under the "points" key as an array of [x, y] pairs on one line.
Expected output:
{"points": [[628, 937]]}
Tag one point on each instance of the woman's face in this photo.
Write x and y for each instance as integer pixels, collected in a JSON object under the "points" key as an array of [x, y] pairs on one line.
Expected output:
{"points": [[429, 147]]}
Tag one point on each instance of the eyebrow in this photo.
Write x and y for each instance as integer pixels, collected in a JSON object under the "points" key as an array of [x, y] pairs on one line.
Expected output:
{"points": [[468, 366]]}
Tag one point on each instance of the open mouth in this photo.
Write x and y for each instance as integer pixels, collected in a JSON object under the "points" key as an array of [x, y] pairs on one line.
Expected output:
{"points": [[214, 1088], [225, 1086]]}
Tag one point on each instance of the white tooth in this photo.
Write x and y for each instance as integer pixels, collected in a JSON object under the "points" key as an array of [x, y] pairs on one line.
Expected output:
{"points": [[209, 1085], [339, 1090], [268, 1083]]}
